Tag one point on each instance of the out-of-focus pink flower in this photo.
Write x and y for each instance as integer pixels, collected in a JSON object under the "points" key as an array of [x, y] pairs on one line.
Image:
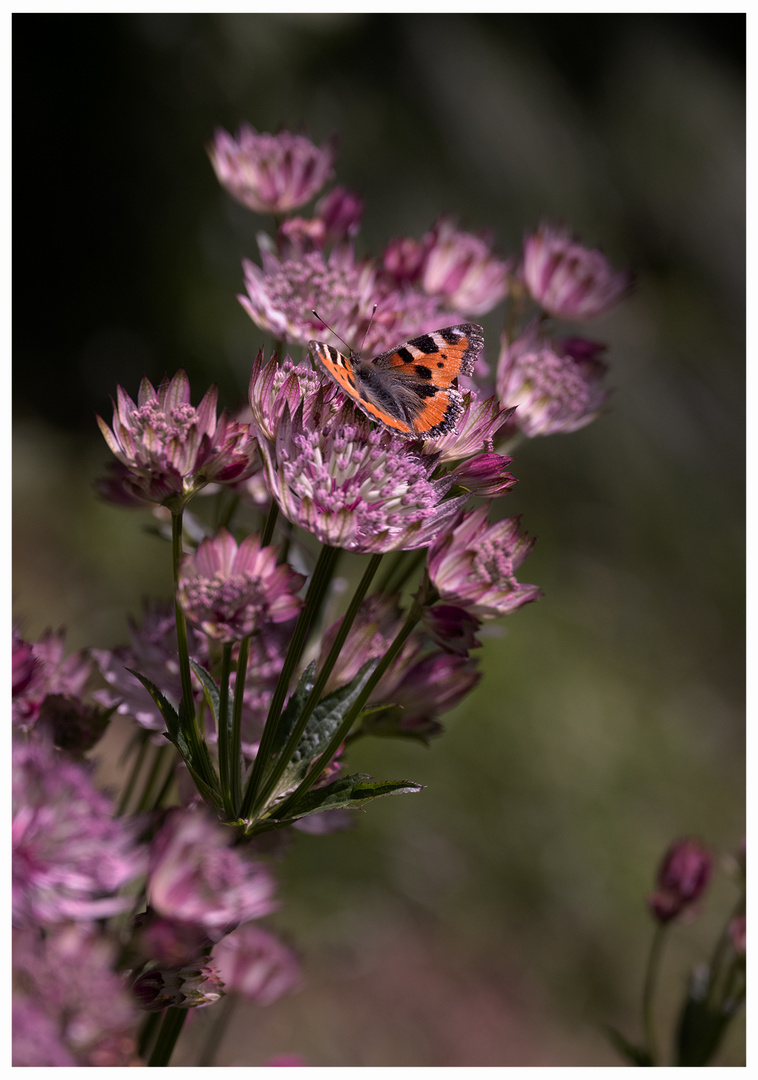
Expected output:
{"points": [[231, 590], [554, 384], [42, 668], [355, 486], [420, 692], [70, 1008], [271, 174], [341, 212], [171, 449], [568, 280], [682, 877], [474, 565], [461, 269], [253, 963], [403, 259], [375, 625], [196, 877], [70, 856], [190, 987], [738, 934]]}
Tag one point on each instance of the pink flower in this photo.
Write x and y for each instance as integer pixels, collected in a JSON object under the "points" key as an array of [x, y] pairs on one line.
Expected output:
{"points": [[170, 449], [341, 212], [473, 566], [271, 174], [70, 856], [738, 934], [476, 429], [196, 877], [452, 628], [554, 384], [254, 964], [190, 987], [568, 280], [42, 668], [485, 475], [461, 269], [420, 692], [231, 590], [355, 486], [682, 877]]}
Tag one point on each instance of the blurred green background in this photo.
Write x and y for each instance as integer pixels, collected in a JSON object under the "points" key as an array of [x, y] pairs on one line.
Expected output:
{"points": [[498, 918]]}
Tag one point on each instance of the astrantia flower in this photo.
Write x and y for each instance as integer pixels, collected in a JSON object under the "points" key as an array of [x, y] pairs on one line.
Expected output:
{"points": [[341, 212], [355, 486], [42, 668], [420, 692], [274, 386], [254, 964], [189, 987], [69, 1006], [568, 280], [682, 876], [374, 627], [554, 383], [475, 431], [485, 475], [70, 856], [195, 875], [461, 269], [231, 590], [474, 565], [452, 627], [271, 174], [172, 449]]}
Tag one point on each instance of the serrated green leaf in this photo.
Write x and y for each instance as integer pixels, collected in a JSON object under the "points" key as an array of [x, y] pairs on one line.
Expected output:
{"points": [[349, 793], [166, 709], [324, 721], [637, 1055], [294, 708]]}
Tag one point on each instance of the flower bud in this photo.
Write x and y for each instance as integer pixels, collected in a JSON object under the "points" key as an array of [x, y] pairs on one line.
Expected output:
{"points": [[682, 877]]}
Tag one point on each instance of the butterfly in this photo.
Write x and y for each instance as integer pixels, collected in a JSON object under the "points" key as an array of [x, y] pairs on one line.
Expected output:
{"points": [[410, 388]]}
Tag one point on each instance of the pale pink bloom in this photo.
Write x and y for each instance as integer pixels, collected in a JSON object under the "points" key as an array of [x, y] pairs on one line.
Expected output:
{"points": [[555, 384], [230, 590], [42, 668], [195, 875], [569, 280], [476, 428], [485, 475], [341, 212], [682, 877], [474, 565], [68, 995], [256, 965], [170, 449], [271, 174], [461, 269]]}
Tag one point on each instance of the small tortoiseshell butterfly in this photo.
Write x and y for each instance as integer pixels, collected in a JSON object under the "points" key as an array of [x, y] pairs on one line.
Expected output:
{"points": [[408, 389]]}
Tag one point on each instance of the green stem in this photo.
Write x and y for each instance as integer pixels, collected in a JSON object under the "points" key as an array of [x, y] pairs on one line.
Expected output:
{"points": [[173, 1022], [218, 1029], [159, 758], [337, 739], [319, 583], [158, 801], [648, 994], [407, 567], [126, 794], [224, 733], [147, 1033], [268, 528], [192, 731], [721, 948], [390, 571], [321, 681], [235, 756]]}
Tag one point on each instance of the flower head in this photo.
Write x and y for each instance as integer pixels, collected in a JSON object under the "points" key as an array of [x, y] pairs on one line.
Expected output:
{"points": [[473, 566], [355, 486], [461, 269], [568, 280], [70, 856], [42, 668], [341, 212], [171, 449], [70, 1007], [254, 964], [196, 877], [554, 384], [682, 876], [231, 590], [475, 432], [271, 174]]}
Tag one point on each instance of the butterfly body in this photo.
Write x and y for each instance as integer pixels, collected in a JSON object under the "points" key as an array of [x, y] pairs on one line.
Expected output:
{"points": [[410, 388]]}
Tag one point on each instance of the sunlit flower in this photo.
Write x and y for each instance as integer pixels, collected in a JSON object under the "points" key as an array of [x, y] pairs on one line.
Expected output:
{"points": [[555, 384], [172, 449], [568, 280], [355, 486], [196, 877], [274, 386], [682, 877], [461, 268], [254, 964], [271, 174], [231, 590], [70, 856], [474, 565], [70, 1007]]}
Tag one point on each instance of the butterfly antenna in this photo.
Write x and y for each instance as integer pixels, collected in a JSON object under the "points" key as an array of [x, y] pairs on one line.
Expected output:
{"points": [[326, 324], [368, 328]]}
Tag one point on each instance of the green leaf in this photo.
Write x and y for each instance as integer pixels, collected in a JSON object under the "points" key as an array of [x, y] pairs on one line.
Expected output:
{"points": [[294, 708], [166, 709], [636, 1055], [210, 688], [323, 722], [348, 793]]}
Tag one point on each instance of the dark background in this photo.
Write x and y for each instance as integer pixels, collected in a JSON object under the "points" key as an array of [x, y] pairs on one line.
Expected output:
{"points": [[498, 918]]}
